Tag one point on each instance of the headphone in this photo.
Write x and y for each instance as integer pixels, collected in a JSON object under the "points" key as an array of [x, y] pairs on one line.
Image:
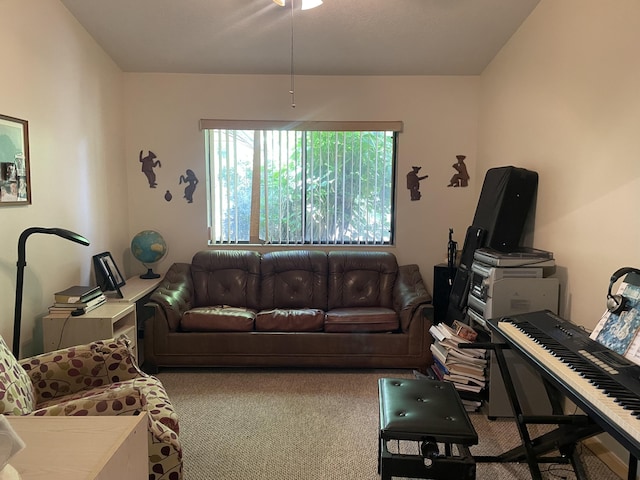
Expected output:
{"points": [[616, 303]]}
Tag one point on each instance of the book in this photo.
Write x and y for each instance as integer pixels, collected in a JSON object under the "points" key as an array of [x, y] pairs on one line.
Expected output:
{"points": [[101, 298], [471, 405], [441, 366], [467, 370], [463, 357], [465, 331], [449, 356], [451, 339], [439, 352], [437, 334], [437, 374], [467, 387], [64, 311], [77, 293], [464, 380], [471, 396]]}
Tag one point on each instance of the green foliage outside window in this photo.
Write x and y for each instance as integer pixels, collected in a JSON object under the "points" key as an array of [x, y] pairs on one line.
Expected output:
{"points": [[311, 187]]}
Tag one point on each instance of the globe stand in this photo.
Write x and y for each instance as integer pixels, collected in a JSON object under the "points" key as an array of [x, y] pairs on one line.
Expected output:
{"points": [[148, 247], [150, 275]]}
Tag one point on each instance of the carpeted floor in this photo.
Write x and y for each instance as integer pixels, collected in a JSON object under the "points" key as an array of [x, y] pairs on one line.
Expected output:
{"points": [[306, 424]]}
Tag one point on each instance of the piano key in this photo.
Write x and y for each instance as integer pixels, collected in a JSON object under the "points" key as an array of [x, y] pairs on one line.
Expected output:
{"points": [[607, 396]]}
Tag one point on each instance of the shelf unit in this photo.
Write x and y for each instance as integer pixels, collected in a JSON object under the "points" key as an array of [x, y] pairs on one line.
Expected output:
{"points": [[109, 320], [115, 317], [134, 290]]}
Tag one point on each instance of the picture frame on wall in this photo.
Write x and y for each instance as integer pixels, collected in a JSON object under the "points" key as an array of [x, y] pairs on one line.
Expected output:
{"points": [[15, 183], [108, 276]]}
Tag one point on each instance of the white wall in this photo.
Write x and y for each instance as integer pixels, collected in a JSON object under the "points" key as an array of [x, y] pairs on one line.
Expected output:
{"points": [[55, 77], [562, 98], [440, 121]]}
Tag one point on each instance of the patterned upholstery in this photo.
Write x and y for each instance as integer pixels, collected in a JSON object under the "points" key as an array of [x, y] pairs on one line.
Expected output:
{"points": [[17, 396], [101, 378]]}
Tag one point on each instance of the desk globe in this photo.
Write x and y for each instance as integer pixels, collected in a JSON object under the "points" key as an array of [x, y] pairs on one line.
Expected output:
{"points": [[148, 247]]}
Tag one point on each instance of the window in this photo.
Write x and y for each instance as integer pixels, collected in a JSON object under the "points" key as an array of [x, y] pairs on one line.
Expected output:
{"points": [[318, 183]]}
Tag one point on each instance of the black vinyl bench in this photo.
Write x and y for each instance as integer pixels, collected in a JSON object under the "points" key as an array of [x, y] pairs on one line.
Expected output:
{"points": [[428, 412]]}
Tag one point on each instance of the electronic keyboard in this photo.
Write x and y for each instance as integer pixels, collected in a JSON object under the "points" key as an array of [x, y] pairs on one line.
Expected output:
{"points": [[604, 384]]}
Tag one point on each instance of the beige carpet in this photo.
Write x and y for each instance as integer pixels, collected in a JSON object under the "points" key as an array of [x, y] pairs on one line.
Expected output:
{"points": [[306, 424]]}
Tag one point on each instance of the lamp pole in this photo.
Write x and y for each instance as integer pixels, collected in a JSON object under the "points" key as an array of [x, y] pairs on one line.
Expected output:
{"points": [[22, 262]]}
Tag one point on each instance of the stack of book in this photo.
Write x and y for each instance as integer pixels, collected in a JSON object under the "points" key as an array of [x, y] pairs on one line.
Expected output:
{"points": [[464, 367], [76, 300]]}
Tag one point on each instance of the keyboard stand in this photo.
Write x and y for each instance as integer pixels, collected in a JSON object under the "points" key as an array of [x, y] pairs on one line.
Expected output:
{"points": [[534, 451]]}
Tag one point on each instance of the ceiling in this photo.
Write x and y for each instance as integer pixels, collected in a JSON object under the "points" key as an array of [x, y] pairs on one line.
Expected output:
{"points": [[341, 37]]}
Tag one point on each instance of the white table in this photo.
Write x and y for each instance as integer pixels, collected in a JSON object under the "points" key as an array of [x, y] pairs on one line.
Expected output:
{"points": [[82, 448], [110, 320]]}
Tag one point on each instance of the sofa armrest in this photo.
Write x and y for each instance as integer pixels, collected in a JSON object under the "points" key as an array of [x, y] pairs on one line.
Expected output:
{"points": [[83, 367], [174, 295], [409, 294]]}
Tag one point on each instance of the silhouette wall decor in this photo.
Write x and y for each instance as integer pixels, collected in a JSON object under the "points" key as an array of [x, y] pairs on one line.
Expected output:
{"points": [[190, 179], [149, 162], [461, 177], [413, 183]]}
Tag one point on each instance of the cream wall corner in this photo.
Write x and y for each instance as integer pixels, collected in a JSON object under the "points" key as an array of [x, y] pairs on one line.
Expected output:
{"points": [[562, 98], [70, 92]]}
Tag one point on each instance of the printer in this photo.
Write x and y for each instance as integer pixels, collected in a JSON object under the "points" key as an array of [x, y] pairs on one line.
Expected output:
{"points": [[511, 283]]}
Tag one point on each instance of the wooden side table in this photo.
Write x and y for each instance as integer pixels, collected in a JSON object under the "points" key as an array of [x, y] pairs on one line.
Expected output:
{"points": [[115, 317], [82, 448], [135, 289], [107, 321]]}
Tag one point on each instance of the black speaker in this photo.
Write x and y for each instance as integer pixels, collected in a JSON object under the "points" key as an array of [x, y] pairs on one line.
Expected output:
{"points": [[443, 276], [475, 238], [507, 197]]}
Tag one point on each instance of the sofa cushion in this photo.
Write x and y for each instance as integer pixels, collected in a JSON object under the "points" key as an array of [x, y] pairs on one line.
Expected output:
{"points": [[294, 279], [218, 319], [361, 319], [361, 279], [298, 320], [226, 277]]}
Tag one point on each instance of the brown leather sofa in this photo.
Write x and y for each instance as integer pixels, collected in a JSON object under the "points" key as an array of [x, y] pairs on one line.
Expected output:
{"points": [[302, 308]]}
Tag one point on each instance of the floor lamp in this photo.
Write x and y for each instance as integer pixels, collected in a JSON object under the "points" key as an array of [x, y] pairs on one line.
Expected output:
{"points": [[22, 262]]}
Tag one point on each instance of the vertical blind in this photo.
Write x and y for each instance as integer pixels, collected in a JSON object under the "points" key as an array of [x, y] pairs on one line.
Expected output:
{"points": [[296, 186]]}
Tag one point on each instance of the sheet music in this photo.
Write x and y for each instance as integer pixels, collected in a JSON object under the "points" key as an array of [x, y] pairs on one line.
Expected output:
{"points": [[619, 332]]}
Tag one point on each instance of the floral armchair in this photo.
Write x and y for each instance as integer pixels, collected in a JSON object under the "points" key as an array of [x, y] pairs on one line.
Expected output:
{"points": [[101, 378]]}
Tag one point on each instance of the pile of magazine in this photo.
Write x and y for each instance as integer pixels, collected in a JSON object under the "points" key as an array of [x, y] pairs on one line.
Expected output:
{"points": [[465, 367]]}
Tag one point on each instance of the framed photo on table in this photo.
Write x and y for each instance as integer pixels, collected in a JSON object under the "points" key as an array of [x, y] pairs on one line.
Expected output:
{"points": [[108, 274], [15, 184]]}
